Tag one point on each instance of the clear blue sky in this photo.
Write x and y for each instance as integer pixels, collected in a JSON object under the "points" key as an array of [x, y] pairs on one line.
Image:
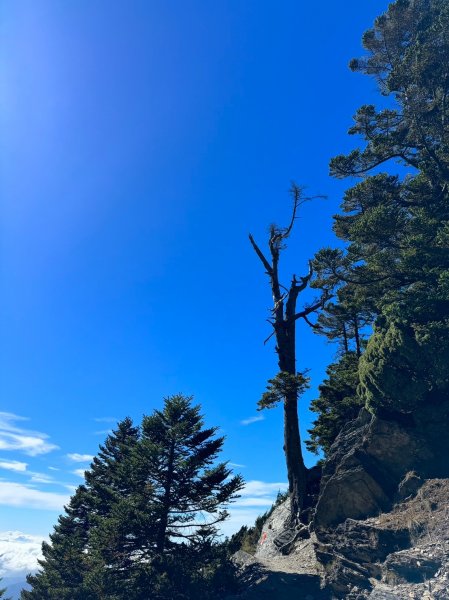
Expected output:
{"points": [[140, 143]]}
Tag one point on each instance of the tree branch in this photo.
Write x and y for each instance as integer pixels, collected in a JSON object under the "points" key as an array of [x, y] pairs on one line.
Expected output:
{"points": [[298, 200], [312, 308], [295, 290], [269, 337], [313, 325], [296, 194], [260, 254], [305, 280]]}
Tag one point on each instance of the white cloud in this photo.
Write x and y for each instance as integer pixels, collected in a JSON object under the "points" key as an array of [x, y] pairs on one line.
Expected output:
{"points": [[256, 498], [236, 465], [75, 457], [237, 519], [32, 443], [41, 478], [19, 552], [79, 472], [103, 432], [255, 501], [251, 420], [22, 495], [13, 465], [106, 420], [262, 488]]}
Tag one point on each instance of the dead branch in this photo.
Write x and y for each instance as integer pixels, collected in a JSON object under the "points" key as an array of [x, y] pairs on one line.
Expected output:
{"points": [[313, 325], [260, 254], [269, 337]]}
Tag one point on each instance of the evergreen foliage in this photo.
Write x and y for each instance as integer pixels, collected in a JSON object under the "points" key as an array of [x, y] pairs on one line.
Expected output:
{"points": [[281, 386], [395, 266], [342, 325], [64, 562], [337, 403], [405, 365], [145, 522]]}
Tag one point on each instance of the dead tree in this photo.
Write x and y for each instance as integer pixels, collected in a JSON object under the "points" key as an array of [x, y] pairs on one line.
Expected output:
{"points": [[288, 383]]}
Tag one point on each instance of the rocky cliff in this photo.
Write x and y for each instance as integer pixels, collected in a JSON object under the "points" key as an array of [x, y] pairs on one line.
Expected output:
{"points": [[379, 528]]}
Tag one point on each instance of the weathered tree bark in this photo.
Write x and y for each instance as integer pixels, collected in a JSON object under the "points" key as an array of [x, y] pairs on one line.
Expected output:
{"points": [[357, 337], [284, 317], [163, 522], [345, 338]]}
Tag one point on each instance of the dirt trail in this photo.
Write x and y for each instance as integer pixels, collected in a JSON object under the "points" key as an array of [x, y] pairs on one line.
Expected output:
{"points": [[303, 561], [295, 576]]}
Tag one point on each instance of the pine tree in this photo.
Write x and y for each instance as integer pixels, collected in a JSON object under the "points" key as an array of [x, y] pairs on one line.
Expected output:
{"points": [[337, 404], [397, 226], [64, 562], [343, 322], [177, 460], [160, 539], [288, 385], [144, 524], [65, 565]]}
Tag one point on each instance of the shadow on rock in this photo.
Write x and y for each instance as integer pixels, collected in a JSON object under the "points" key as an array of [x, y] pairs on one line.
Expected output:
{"points": [[259, 582]]}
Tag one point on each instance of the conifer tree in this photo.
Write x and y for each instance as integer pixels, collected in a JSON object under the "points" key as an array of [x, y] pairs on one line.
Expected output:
{"points": [[144, 523], [158, 537], [66, 564], [337, 404], [343, 322], [396, 226], [177, 459], [288, 385]]}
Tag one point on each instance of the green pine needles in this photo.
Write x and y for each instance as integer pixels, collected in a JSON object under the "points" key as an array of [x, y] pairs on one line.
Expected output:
{"points": [[144, 524], [393, 272], [282, 386]]}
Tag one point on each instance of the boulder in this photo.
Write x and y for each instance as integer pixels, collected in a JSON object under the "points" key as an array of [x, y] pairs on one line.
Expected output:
{"points": [[372, 456], [376, 462], [409, 566], [277, 522]]}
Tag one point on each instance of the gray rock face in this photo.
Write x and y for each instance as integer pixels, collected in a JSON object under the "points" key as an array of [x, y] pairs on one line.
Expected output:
{"points": [[401, 554], [279, 535], [276, 523], [376, 462], [409, 566], [373, 455], [368, 461], [286, 540], [380, 529]]}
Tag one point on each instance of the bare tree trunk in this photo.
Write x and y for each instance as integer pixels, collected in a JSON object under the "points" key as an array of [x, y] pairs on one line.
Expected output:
{"points": [[284, 317], [357, 336], [286, 350], [345, 339], [297, 472], [163, 522]]}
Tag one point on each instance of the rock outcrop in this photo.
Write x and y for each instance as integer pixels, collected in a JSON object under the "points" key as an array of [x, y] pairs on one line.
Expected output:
{"points": [[381, 465], [379, 529], [402, 554], [373, 455]]}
